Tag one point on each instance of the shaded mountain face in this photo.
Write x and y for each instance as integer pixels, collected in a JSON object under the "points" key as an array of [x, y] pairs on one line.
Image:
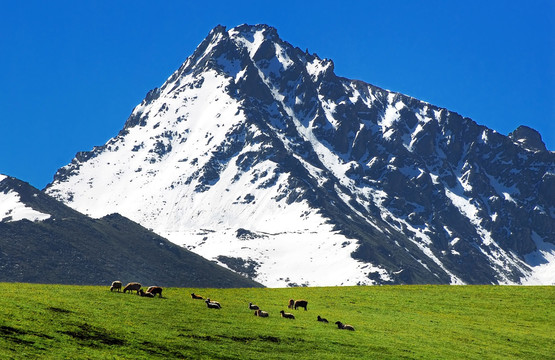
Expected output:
{"points": [[44, 241], [256, 155]]}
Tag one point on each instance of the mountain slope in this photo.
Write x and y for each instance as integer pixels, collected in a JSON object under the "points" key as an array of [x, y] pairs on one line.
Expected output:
{"points": [[254, 153], [62, 246]]}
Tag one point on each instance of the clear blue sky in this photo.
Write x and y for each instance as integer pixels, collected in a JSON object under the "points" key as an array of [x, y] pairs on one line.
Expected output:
{"points": [[72, 71]]}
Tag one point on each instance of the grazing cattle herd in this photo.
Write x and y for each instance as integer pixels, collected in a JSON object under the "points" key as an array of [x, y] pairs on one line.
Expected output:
{"points": [[152, 291]]}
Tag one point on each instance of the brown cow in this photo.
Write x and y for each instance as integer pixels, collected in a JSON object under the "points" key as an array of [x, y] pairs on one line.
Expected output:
{"points": [[154, 290], [195, 296], [132, 286]]}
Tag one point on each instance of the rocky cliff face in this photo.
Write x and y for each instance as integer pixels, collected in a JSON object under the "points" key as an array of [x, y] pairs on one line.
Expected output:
{"points": [[255, 154]]}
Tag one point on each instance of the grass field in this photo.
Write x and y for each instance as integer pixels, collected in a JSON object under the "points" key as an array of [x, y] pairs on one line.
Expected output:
{"points": [[392, 322]]}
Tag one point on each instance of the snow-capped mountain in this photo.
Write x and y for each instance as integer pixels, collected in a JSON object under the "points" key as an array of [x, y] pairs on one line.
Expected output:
{"points": [[255, 154]]}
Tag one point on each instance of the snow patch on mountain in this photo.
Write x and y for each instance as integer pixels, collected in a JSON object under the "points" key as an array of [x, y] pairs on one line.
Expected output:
{"points": [[304, 257], [12, 209], [542, 263]]}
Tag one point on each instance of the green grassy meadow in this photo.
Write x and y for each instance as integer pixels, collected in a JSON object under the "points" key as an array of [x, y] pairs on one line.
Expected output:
{"points": [[392, 322]]}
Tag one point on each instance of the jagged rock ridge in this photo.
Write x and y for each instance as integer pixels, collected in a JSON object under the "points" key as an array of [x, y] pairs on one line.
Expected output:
{"points": [[333, 180]]}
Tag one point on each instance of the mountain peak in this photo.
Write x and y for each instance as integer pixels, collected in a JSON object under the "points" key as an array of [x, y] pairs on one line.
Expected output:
{"points": [[528, 138], [245, 29], [258, 43]]}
